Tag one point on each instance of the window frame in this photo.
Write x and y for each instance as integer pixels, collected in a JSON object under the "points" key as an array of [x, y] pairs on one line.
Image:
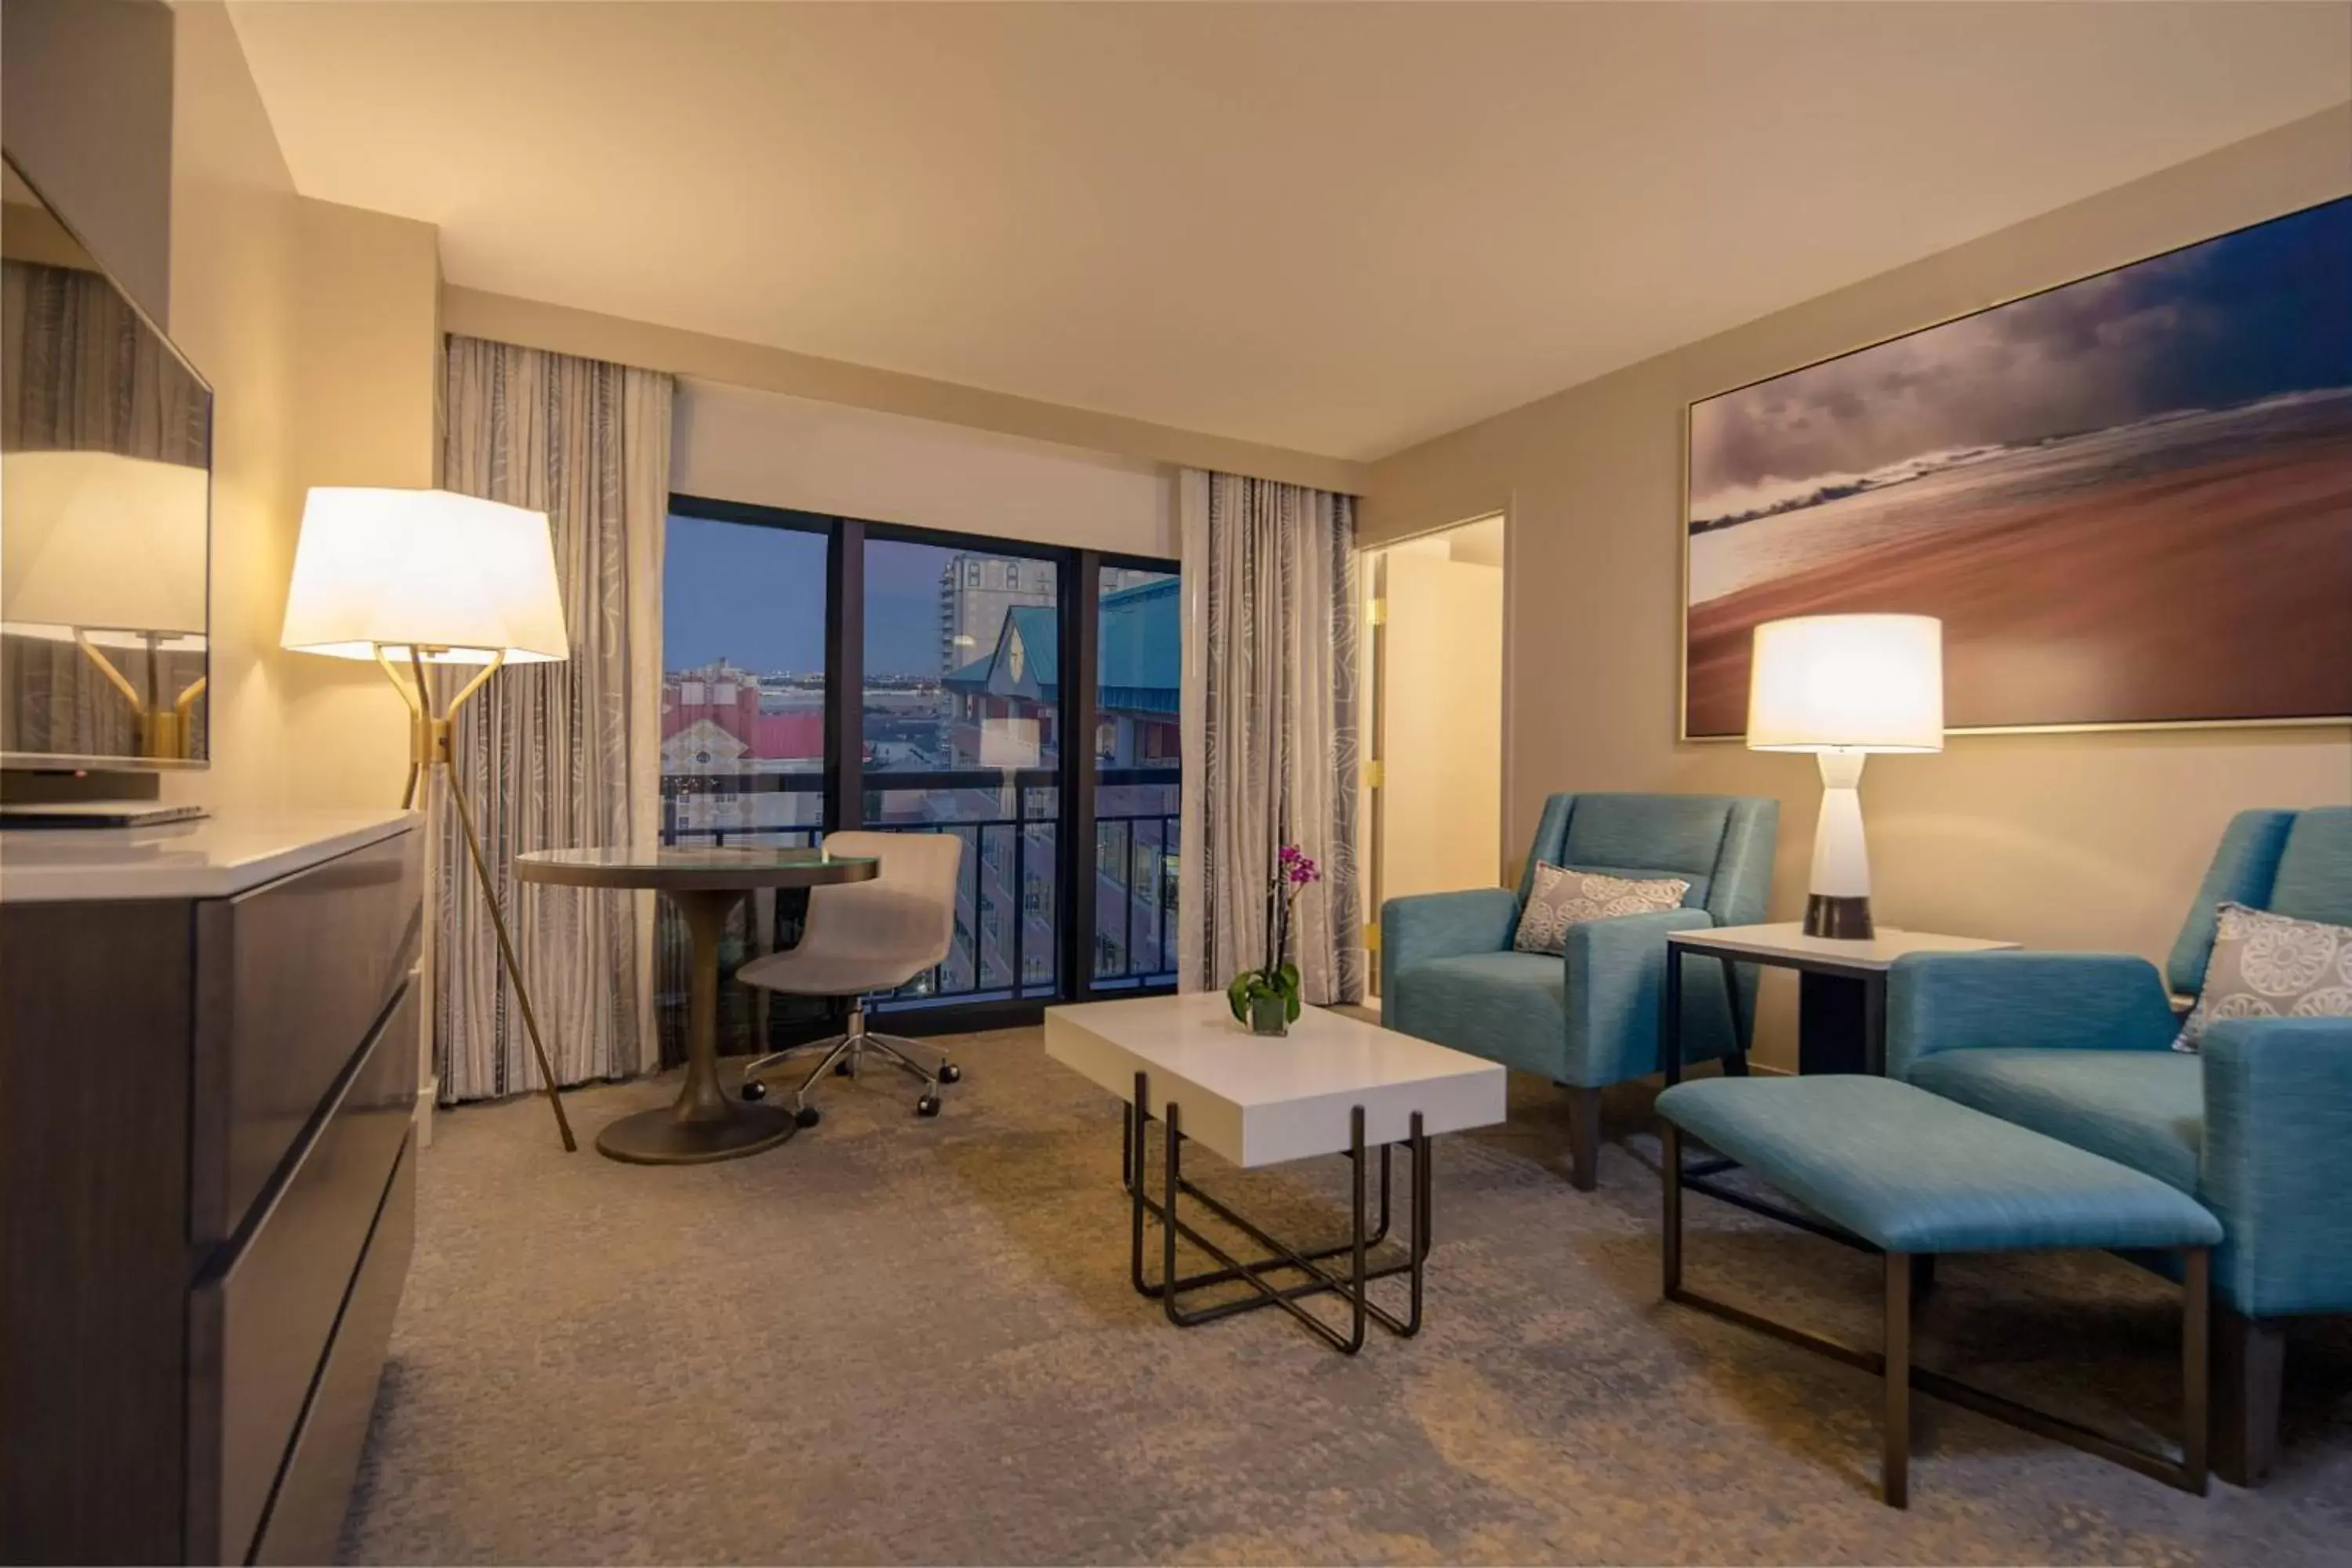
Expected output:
{"points": [[1079, 606]]}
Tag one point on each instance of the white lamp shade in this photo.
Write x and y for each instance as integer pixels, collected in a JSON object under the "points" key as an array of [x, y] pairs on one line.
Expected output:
{"points": [[462, 578], [1864, 683], [102, 544]]}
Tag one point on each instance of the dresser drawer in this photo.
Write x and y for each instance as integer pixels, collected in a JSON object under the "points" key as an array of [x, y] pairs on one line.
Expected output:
{"points": [[289, 977], [261, 1327], [306, 1516]]}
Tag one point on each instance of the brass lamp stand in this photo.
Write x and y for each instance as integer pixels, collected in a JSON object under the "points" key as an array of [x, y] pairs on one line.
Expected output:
{"points": [[430, 747], [162, 735]]}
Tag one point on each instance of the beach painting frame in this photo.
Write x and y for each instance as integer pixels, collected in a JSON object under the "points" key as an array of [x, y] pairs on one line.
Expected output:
{"points": [[2128, 497]]}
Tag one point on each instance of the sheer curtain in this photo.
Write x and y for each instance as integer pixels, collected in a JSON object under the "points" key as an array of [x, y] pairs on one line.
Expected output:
{"points": [[1269, 717], [554, 756]]}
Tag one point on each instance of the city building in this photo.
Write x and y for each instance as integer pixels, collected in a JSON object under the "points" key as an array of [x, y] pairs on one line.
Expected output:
{"points": [[739, 754], [976, 592]]}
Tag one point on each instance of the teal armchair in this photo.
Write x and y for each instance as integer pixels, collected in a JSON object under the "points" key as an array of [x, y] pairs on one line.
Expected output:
{"points": [[1589, 1017], [2258, 1127]]}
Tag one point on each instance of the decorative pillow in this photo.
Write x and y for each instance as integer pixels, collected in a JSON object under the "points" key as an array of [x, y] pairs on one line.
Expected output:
{"points": [[2271, 967], [1560, 898]]}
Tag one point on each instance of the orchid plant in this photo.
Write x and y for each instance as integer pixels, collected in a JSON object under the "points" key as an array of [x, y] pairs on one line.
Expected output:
{"points": [[1275, 981]]}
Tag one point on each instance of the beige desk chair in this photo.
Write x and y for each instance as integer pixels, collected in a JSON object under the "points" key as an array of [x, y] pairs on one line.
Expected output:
{"points": [[863, 938]]}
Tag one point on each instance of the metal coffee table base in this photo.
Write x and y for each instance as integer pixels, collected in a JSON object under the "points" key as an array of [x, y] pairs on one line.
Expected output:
{"points": [[1349, 1282]]}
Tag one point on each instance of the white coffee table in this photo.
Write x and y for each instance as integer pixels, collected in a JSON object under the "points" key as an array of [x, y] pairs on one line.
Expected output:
{"points": [[1332, 1086]]}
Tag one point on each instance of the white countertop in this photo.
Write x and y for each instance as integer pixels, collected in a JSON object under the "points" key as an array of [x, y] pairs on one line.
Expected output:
{"points": [[210, 858]]}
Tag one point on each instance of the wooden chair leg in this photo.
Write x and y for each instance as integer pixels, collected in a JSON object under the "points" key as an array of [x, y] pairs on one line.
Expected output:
{"points": [[2249, 1368], [2195, 1367], [1895, 1453], [1584, 1137]]}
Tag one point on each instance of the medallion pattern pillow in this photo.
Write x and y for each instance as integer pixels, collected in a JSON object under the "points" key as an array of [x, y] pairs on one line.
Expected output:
{"points": [[1560, 898], [2267, 965]]}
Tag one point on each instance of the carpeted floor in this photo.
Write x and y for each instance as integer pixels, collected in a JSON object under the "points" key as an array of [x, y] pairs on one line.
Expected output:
{"points": [[906, 1341]]}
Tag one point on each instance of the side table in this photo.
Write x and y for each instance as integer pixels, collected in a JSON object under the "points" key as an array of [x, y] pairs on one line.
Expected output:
{"points": [[1842, 986], [706, 884]]}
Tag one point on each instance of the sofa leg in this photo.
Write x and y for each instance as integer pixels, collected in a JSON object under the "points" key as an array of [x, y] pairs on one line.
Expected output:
{"points": [[2249, 1368], [1584, 1137]]}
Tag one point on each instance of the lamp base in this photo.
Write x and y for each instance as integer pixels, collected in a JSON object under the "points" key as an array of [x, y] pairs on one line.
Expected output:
{"points": [[1839, 918]]}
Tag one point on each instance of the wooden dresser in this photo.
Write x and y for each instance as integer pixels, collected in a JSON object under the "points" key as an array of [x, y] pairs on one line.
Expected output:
{"points": [[208, 1070]]}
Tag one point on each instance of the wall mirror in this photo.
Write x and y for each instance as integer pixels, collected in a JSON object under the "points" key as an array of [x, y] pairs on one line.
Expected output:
{"points": [[105, 522]]}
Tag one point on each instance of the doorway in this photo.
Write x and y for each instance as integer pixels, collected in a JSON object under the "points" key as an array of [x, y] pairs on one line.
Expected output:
{"points": [[1433, 815]]}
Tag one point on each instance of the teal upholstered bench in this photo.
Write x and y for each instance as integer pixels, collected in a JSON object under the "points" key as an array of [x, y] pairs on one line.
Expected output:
{"points": [[1909, 1174]]}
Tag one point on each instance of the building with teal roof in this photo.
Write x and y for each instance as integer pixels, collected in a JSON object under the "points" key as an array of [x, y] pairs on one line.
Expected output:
{"points": [[1005, 706]]}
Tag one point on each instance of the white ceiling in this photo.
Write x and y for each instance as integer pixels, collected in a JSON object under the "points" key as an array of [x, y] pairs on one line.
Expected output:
{"points": [[1339, 228]]}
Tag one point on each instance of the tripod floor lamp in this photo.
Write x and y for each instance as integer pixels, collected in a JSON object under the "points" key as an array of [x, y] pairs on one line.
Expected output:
{"points": [[413, 578]]}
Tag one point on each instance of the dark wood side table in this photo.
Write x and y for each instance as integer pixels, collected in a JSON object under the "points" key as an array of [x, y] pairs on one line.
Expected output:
{"points": [[706, 885], [1842, 986]]}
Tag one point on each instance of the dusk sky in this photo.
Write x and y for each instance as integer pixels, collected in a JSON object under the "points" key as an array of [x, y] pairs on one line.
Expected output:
{"points": [[756, 595], [2246, 316]]}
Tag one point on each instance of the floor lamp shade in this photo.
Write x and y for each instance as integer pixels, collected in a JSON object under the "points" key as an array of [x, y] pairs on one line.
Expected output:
{"points": [[1844, 687], [458, 579]]}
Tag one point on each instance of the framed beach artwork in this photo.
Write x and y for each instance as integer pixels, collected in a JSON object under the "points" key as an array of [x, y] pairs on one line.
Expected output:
{"points": [[2129, 497]]}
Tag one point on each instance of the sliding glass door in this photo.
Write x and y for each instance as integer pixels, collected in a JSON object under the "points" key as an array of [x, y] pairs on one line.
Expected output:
{"points": [[962, 732], [1135, 764], [744, 668], [743, 683], [826, 672]]}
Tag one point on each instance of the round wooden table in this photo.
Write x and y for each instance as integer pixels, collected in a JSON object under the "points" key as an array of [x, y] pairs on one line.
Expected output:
{"points": [[706, 885]]}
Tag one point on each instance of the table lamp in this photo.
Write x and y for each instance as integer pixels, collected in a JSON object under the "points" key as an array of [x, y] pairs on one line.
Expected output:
{"points": [[1842, 687], [108, 551], [419, 577]]}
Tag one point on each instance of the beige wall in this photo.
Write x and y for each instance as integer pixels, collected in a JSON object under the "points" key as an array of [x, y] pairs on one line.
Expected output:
{"points": [[368, 319], [770, 450], [2074, 841], [315, 325], [235, 241], [725, 362]]}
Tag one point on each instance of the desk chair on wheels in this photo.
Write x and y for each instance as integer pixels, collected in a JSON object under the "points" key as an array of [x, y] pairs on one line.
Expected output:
{"points": [[861, 938]]}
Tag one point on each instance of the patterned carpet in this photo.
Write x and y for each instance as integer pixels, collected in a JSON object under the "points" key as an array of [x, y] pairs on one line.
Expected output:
{"points": [[906, 1341]]}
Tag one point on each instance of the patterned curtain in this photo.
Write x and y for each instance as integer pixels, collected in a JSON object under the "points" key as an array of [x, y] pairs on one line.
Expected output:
{"points": [[556, 755], [1269, 714], [85, 374]]}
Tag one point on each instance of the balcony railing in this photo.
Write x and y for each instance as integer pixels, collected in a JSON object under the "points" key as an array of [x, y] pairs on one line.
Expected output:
{"points": [[1010, 822]]}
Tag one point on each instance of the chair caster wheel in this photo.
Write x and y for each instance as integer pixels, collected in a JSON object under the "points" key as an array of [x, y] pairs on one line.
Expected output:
{"points": [[807, 1115], [844, 1068], [753, 1089], [928, 1106], [951, 1073]]}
